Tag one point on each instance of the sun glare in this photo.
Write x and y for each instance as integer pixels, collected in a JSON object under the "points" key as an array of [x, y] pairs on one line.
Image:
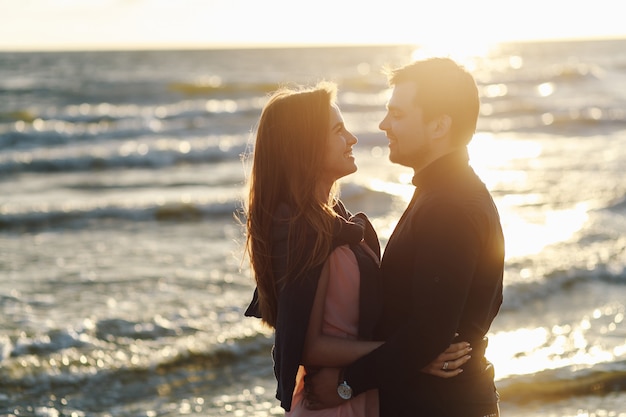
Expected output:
{"points": [[532, 237], [464, 52], [494, 160], [530, 350]]}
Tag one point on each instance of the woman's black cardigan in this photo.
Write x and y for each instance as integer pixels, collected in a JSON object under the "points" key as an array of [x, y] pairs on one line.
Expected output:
{"points": [[296, 297]]}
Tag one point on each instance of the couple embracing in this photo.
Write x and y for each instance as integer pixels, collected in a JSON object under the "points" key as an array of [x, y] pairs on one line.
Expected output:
{"points": [[356, 334]]}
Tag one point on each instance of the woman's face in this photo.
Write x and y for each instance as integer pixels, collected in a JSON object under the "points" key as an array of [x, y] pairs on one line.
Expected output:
{"points": [[339, 160]]}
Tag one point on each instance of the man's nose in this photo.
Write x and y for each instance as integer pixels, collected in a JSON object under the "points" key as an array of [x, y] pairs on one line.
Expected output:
{"points": [[383, 125]]}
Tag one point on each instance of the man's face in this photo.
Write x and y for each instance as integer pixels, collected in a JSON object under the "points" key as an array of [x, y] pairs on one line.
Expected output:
{"points": [[409, 137]]}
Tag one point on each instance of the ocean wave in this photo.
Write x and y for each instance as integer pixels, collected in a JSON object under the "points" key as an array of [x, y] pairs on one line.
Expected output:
{"points": [[102, 155], [119, 365], [32, 128], [518, 294], [84, 217], [208, 88], [618, 205], [532, 73], [563, 383], [359, 198], [224, 204], [585, 122], [54, 341], [18, 115]]}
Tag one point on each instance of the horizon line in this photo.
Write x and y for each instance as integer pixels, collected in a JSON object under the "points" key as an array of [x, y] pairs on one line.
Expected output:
{"points": [[267, 45]]}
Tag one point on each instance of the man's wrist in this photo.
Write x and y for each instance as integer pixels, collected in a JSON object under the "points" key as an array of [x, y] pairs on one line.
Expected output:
{"points": [[343, 389]]}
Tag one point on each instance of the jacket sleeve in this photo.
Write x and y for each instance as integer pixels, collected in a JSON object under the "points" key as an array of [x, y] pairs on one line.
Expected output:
{"points": [[294, 309], [297, 295], [445, 256]]}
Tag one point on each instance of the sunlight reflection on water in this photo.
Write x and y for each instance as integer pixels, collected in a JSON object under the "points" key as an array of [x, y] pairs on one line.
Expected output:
{"points": [[497, 161]]}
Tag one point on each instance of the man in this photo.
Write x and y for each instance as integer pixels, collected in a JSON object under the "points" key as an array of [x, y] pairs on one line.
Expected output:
{"points": [[442, 266]]}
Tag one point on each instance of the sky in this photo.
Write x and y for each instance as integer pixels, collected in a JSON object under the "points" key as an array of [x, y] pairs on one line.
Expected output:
{"points": [[166, 24]]}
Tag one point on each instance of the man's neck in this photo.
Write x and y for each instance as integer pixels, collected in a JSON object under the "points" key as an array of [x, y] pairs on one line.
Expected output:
{"points": [[435, 157]]}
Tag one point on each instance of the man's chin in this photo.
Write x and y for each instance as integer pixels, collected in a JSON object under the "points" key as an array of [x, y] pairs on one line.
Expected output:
{"points": [[394, 159]]}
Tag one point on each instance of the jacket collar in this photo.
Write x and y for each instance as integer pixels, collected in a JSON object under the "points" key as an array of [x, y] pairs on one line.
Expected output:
{"points": [[442, 170]]}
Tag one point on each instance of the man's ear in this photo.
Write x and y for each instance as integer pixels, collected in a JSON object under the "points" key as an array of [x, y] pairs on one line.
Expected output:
{"points": [[440, 126]]}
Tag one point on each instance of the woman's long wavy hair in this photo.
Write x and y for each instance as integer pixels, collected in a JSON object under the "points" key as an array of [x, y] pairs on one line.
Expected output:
{"points": [[290, 146]]}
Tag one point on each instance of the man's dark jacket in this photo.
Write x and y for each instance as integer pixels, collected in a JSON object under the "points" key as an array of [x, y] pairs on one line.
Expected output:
{"points": [[442, 272]]}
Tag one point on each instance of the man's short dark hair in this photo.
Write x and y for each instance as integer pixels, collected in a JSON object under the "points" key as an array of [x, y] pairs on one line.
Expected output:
{"points": [[443, 87]]}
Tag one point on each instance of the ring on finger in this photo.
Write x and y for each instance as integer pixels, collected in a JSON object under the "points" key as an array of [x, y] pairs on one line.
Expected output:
{"points": [[445, 366]]}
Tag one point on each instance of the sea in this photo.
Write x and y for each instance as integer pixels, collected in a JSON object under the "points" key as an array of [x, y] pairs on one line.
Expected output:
{"points": [[123, 278]]}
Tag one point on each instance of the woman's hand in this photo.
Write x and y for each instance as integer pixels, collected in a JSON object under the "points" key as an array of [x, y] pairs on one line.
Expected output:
{"points": [[320, 389], [448, 364]]}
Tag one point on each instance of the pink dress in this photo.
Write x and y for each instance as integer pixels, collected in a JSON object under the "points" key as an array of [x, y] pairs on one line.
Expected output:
{"points": [[341, 318]]}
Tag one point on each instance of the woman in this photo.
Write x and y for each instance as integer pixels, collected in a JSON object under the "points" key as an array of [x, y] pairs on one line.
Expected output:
{"points": [[315, 265]]}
